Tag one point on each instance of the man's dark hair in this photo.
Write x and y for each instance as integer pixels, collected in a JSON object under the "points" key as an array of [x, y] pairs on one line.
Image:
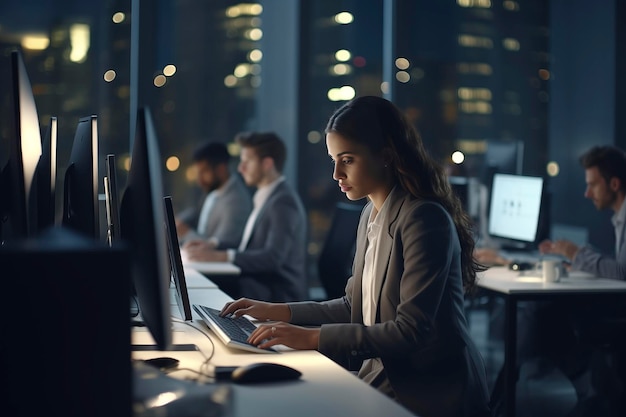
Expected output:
{"points": [[213, 153], [266, 144], [610, 161]]}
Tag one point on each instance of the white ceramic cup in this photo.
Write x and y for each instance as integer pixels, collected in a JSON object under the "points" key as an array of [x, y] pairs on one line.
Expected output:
{"points": [[551, 270]]}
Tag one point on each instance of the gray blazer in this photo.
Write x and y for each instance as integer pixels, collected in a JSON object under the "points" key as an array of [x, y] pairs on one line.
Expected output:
{"points": [[601, 265], [273, 265], [227, 218], [420, 334]]}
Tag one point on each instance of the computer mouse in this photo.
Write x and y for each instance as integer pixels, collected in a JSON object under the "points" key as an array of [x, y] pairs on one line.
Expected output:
{"points": [[163, 362], [521, 266], [264, 372]]}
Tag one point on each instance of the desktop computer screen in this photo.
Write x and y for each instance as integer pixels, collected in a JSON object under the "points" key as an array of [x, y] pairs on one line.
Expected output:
{"points": [[142, 228], [44, 195], [22, 138], [111, 201], [80, 193], [178, 272], [515, 206]]}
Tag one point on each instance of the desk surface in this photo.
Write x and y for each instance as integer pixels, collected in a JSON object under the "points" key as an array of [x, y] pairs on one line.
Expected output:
{"points": [[325, 388], [503, 280], [210, 268]]}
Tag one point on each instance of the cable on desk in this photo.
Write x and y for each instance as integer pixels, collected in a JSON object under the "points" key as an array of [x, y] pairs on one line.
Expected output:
{"points": [[207, 359]]}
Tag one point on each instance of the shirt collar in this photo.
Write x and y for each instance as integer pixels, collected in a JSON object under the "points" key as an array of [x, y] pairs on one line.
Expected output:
{"points": [[620, 216], [262, 193]]}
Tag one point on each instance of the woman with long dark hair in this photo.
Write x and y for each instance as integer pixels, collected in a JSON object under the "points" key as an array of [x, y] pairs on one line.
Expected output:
{"points": [[402, 317]]}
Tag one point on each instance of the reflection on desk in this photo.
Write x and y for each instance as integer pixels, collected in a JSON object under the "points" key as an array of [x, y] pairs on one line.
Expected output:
{"points": [[156, 394]]}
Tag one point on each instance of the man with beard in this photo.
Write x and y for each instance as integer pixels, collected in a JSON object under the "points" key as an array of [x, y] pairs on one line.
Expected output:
{"points": [[221, 218], [605, 175]]}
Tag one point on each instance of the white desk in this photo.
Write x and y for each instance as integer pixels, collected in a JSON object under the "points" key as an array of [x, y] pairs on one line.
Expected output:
{"points": [[325, 388], [514, 287], [210, 268]]}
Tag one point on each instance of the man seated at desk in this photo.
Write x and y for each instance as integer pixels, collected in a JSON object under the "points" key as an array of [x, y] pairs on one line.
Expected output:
{"points": [[222, 216], [272, 251], [586, 338], [605, 175]]}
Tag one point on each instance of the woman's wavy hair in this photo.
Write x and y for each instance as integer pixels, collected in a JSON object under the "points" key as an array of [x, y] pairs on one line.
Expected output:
{"points": [[378, 124]]}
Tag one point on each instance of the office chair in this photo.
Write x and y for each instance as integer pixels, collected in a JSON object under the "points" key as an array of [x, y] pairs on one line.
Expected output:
{"points": [[335, 261]]}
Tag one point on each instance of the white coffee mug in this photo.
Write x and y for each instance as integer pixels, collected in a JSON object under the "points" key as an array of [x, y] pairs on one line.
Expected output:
{"points": [[551, 270]]}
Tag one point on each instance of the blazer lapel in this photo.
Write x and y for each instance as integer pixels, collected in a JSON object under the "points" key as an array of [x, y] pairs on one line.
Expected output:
{"points": [[356, 302], [385, 242]]}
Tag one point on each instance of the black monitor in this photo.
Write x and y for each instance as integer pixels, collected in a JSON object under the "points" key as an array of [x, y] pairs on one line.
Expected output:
{"points": [[502, 157], [111, 201], [142, 221], [514, 209], [22, 134], [178, 272], [80, 196], [45, 181]]}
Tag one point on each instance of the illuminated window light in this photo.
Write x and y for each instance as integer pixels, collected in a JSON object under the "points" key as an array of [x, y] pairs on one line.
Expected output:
{"points": [[344, 93], [254, 34], [458, 157], [230, 81], [384, 87], [169, 70], [552, 169], [402, 63], [344, 18], [35, 42], [340, 69], [403, 76], [79, 42], [544, 74], [241, 70], [466, 93], [482, 4], [510, 5], [314, 137], [255, 55], [118, 17], [477, 68], [343, 55], [511, 44], [159, 80], [109, 75], [471, 41], [249, 9], [172, 163], [190, 174]]}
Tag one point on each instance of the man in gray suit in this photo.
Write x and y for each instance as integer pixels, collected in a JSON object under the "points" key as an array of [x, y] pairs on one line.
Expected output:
{"points": [[605, 175], [272, 251], [221, 217]]}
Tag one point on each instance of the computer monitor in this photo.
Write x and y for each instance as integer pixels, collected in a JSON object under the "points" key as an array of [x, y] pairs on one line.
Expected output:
{"points": [[514, 209], [80, 193], [142, 221], [502, 157], [24, 149], [111, 201], [45, 181], [178, 272]]}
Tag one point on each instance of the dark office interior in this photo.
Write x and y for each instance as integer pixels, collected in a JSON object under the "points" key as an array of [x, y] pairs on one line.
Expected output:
{"points": [[546, 78]]}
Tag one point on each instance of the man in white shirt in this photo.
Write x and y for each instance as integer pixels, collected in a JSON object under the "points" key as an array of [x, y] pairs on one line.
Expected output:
{"points": [[221, 217], [272, 251]]}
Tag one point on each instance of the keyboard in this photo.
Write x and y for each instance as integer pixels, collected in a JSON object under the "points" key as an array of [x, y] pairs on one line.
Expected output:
{"points": [[232, 331]]}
